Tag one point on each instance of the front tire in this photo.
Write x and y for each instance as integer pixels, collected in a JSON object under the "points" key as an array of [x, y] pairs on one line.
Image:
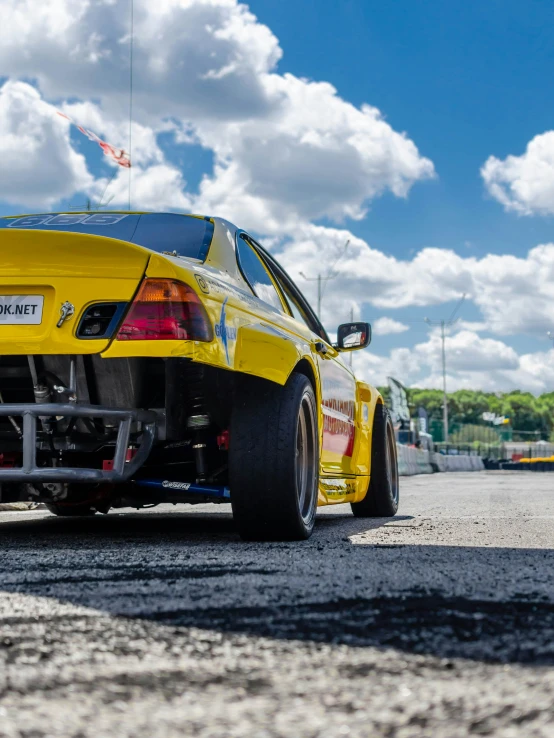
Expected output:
{"points": [[274, 459], [383, 494]]}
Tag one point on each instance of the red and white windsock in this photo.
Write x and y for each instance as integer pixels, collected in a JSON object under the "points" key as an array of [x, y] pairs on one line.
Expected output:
{"points": [[120, 156]]}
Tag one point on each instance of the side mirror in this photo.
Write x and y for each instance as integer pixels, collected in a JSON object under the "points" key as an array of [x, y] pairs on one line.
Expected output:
{"points": [[352, 336]]}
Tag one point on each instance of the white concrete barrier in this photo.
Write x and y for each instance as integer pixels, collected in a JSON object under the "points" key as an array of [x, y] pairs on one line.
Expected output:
{"points": [[462, 463], [412, 461]]}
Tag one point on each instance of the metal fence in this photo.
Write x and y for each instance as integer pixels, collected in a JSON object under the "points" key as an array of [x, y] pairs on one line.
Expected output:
{"points": [[510, 451]]}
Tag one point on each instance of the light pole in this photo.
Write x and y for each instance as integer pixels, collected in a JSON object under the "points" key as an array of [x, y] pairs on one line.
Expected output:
{"points": [[323, 279], [444, 324], [318, 280]]}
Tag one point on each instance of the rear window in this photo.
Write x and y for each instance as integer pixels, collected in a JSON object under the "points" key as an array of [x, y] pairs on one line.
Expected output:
{"points": [[183, 235]]}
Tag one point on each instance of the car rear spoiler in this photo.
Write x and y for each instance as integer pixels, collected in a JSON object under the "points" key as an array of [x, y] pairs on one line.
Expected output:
{"points": [[122, 469]]}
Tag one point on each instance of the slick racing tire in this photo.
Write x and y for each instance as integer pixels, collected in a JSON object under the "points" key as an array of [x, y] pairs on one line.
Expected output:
{"points": [[383, 494], [274, 459]]}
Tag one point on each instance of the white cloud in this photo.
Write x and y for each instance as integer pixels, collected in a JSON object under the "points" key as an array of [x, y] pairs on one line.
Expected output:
{"points": [[467, 352], [286, 150], [514, 294], [524, 184], [472, 363], [193, 58], [156, 184], [38, 166], [155, 187], [314, 156], [385, 325], [472, 325], [536, 372], [470, 358]]}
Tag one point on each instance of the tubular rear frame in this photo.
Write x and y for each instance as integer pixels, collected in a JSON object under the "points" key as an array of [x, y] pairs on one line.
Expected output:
{"points": [[122, 469]]}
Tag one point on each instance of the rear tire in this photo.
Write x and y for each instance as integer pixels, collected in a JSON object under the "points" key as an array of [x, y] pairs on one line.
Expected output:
{"points": [[274, 459], [383, 494]]}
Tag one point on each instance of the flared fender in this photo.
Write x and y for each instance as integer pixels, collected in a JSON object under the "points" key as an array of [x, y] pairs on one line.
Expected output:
{"points": [[265, 351]]}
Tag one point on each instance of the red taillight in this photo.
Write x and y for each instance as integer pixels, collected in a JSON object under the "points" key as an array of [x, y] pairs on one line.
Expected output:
{"points": [[166, 310]]}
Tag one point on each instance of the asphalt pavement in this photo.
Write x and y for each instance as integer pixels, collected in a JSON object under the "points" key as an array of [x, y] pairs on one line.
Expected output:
{"points": [[438, 622]]}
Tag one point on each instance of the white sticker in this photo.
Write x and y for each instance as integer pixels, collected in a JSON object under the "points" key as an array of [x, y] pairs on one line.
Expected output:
{"points": [[21, 309], [103, 219], [30, 221], [67, 219]]}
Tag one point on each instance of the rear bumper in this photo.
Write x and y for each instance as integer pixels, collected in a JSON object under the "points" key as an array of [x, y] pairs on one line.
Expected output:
{"points": [[122, 470]]}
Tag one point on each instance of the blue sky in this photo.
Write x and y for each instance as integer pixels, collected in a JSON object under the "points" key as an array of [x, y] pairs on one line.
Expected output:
{"points": [[465, 80], [228, 119]]}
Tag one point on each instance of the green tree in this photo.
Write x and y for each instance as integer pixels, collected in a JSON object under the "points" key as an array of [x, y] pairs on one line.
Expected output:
{"points": [[431, 400], [475, 434], [468, 406], [527, 413], [385, 393]]}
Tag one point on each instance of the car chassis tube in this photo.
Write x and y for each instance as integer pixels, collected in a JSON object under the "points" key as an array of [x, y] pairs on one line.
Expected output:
{"points": [[122, 469], [187, 488]]}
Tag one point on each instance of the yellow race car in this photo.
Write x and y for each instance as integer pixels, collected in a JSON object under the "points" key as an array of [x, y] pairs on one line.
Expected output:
{"points": [[158, 357]]}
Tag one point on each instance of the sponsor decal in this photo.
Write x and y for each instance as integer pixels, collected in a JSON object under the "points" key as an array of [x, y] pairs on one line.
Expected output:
{"points": [[338, 426], [365, 413], [228, 289], [338, 405], [177, 444], [202, 284], [338, 487], [21, 309], [66, 219], [18, 309], [176, 485], [224, 332]]}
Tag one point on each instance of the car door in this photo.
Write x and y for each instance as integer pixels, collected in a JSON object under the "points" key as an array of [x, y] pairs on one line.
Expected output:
{"points": [[338, 388]]}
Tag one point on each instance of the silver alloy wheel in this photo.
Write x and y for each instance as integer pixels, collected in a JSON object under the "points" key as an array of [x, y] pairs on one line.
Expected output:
{"points": [[306, 472], [392, 464]]}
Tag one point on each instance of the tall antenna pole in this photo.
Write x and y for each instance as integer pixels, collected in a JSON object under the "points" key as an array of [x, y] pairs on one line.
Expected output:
{"points": [[131, 96], [319, 295], [445, 396], [444, 324], [351, 320]]}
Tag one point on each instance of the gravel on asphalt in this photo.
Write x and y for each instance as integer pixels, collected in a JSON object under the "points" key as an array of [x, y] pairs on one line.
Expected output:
{"points": [[438, 622]]}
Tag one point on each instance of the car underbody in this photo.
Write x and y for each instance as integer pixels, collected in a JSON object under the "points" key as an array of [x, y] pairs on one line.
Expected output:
{"points": [[83, 430]]}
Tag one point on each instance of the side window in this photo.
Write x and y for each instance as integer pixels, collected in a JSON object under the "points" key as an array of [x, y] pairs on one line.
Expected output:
{"points": [[256, 274], [295, 307]]}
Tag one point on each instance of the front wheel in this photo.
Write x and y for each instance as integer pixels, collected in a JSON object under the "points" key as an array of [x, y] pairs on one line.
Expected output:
{"points": [[274, 459], [383, 494]]}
